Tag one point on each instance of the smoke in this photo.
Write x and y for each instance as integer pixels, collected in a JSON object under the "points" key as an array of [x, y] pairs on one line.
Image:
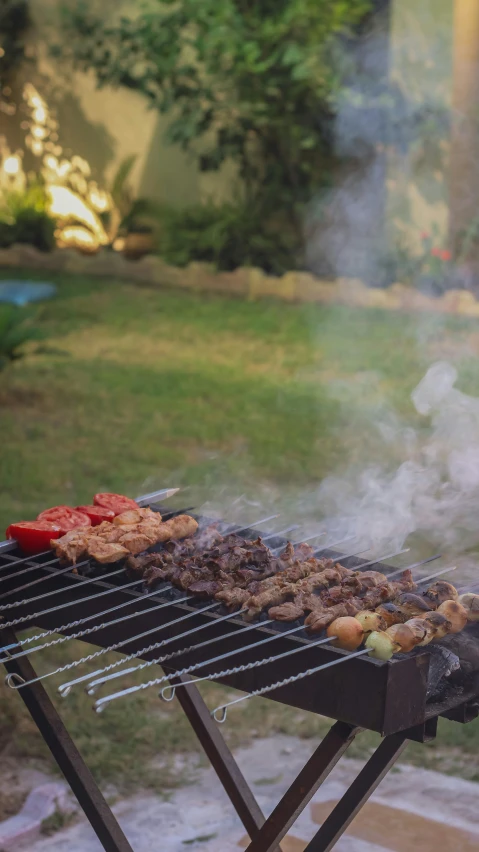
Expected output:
{"points": [[433, 492]]}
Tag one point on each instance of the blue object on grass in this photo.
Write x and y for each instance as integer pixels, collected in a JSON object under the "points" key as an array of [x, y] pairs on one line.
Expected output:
{"points": [[22, 292]]}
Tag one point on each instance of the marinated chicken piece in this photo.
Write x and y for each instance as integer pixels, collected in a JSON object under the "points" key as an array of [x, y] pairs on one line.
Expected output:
{"points": [[132, 516], [136, 542], [105, 552], [181, 526], [135, 516], [71, 547]]}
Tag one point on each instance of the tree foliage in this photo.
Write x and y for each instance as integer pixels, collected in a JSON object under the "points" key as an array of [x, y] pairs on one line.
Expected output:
{"points": [[246, 80], [14, 25]]}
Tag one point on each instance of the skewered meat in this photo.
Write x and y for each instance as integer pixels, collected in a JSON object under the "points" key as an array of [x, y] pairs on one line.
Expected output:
{"points": [[318, 620], [106, 552], [123, 536]]}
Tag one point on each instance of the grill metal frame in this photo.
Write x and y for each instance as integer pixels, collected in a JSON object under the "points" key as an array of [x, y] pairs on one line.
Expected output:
{"points": [[386, 697]]}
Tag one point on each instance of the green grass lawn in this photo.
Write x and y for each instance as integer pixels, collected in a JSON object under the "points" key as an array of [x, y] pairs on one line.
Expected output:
{"points": [[225, 398]]}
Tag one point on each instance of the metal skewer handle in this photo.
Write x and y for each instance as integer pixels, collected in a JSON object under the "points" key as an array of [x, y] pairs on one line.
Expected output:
{"points": [[15, 682], [98, 681], [219, 713], [102, 702], [94, 629], [92, 687]]}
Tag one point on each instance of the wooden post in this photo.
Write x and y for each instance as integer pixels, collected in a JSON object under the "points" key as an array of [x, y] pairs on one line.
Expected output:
{"points": [[464, 153]]}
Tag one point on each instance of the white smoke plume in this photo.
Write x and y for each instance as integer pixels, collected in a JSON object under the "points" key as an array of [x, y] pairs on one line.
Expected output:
{"points": [[434, 491]]}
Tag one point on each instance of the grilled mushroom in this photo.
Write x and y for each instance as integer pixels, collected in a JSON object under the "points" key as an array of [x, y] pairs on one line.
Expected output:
{"points": [[413, 605], [440, 592], [470, 602], [403, 636]]}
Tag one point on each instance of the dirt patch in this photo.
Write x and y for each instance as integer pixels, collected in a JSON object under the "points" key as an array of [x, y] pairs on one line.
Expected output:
{"points": [[10, 803]]}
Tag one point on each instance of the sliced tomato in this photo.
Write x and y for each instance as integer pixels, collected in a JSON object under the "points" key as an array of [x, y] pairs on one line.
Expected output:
{"points": [[97, 514], [116, 502], [34, 536], [65, 518]]}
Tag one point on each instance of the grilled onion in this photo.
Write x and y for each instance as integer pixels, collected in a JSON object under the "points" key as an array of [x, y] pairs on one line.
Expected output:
{"points": [[380, 645], [370, 621], [348, 631], [455, 613]]}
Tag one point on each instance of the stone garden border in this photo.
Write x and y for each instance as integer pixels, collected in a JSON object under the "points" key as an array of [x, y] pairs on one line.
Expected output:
{"points": [[245, 282]]}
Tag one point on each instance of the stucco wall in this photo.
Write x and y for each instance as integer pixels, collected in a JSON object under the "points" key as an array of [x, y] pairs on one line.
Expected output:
{"points": [[105, 125]]}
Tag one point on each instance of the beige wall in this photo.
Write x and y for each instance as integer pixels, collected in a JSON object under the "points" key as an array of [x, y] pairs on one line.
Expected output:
{"points": [[105, 126]]}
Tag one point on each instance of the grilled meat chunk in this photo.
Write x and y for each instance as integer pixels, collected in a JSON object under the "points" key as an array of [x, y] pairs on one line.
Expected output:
{"points": [[124, 537], [106, 552]]}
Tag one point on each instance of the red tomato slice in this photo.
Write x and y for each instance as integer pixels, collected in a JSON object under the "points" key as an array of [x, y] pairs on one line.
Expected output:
{"points": [[116, 502], [65, 518], [34, 536], [97, 514]]}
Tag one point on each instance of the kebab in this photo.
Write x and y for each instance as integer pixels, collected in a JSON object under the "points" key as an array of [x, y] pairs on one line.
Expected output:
{"points": [[99, 705], [387, 632], [129, 533]]}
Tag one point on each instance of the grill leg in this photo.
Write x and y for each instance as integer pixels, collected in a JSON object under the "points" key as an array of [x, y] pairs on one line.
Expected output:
{"points": [[66, 755], [358, 793], [303, 788], [220, 757]]}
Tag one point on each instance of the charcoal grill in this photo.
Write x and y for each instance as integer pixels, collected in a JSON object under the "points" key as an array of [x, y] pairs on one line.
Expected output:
{"points": [[392, 699]]}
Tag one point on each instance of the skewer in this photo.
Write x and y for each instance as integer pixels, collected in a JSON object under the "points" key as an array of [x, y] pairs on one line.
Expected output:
{"points": [[219, 713], [16, 604], [14, 561], [14, 681], [94, 685], [101, 702], [36, 565], [26, 571], [376, 561], [437, 574], [29, 639], [163, 493], [280, 532], [236, 530], [416, 565], [40, 580], [65, 688], [83, 582], [22, 619], [92, 629], [334, 544], [297, 543]]}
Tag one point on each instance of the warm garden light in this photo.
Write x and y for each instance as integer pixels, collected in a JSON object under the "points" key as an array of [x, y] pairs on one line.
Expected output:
{"points": [[67, 205], [11, 165]]}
